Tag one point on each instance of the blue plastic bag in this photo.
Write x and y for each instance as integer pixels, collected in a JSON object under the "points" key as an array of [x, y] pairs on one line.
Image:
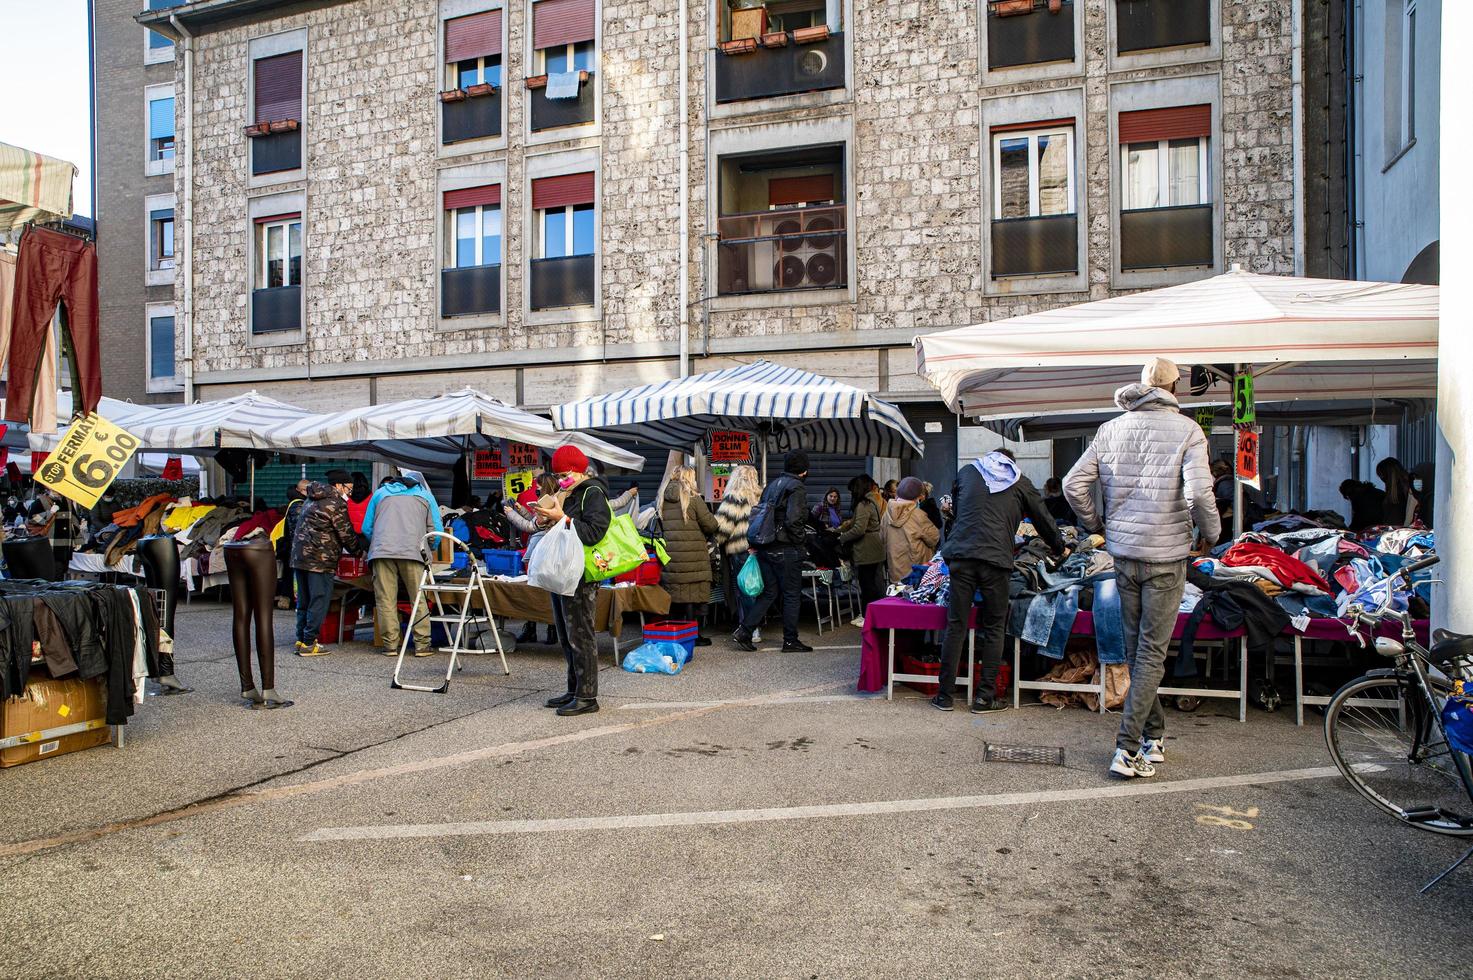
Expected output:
{"points": [[656, 658], [749, 579]]}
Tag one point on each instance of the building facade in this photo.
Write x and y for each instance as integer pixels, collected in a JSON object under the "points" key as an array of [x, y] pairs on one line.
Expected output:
{"points": [[390, 198], [134, 147]]}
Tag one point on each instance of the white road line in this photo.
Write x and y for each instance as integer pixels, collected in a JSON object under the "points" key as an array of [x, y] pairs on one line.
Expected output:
{"points": [[815, 812], [667, 705]]}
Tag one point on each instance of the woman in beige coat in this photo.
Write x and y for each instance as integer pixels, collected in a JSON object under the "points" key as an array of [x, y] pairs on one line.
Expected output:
{"points": [[910, 537]]}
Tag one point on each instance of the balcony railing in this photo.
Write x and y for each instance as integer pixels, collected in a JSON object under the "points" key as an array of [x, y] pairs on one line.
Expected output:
{"points": [[276, 152], [1144, 25], [556, 113], [1041, 246], [788, 70], [475, 289], [771, 251], [276, 310], [562, 282], [1030, 39], [1159, 238], [471, 118]]}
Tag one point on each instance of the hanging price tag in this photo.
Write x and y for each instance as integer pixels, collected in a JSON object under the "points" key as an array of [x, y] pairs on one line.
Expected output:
{"points": [[516, 482], [88, 460], [522, 456], [1248, 456], [1244, 411], [1204, 419], [488, 464]]}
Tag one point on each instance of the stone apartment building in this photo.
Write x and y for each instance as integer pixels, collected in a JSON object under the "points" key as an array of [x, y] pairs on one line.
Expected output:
{"points": [[389, 198], [134, 139]]}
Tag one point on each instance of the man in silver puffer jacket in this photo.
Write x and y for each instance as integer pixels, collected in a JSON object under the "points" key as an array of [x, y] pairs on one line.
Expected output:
{"points": [[1151, 465]]}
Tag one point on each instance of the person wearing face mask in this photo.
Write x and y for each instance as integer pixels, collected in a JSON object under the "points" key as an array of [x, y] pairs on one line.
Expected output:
{"points": [[323, 533], [585, 506]]}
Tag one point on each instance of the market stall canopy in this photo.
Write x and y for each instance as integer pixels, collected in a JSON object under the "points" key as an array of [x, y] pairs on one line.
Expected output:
{"points": [[123, 414], [33, 187], [1325, 339], [432, 432], [209, 426], [793, 409]]}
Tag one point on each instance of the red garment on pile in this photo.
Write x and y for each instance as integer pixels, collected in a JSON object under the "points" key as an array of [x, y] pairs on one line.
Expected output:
{"points": [[1289, 570], [261, 520]]}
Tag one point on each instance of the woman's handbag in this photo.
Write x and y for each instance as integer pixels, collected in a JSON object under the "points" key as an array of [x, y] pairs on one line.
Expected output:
{"points": [[620, 550], [654, 537]]}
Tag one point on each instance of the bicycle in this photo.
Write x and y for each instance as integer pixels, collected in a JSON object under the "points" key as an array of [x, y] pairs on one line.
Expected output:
{"points": [[1385, 729]]}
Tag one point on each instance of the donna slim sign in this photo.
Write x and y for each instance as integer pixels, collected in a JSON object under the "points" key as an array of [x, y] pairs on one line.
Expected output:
{"points": [[88, 460]]}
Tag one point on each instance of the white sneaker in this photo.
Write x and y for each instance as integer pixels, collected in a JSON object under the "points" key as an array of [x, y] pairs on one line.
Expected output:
{"points": [[857, 621], [1131, 766], [1154, 750], [757, 635]]}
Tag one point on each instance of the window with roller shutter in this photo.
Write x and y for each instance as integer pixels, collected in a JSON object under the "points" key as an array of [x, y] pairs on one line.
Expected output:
{"points": [[563, 269], [276, 130], [564, 36], [470, 279], [1165, 188], [471, 101]]}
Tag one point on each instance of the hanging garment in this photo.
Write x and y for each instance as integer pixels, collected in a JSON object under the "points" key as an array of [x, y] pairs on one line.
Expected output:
{"points": [[44, 414], [51, 268], [562, 85]]}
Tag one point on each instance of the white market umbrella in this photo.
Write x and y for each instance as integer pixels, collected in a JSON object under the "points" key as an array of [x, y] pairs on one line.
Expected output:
{"points": [[787, 407], [427, 431], [1307, 339]]}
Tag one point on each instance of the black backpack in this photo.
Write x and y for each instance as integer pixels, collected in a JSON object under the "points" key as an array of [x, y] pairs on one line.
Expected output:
{"points": [[766, 520]]}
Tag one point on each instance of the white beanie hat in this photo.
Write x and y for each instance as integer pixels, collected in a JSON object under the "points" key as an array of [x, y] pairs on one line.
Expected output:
{"points": [[1160, 372]]}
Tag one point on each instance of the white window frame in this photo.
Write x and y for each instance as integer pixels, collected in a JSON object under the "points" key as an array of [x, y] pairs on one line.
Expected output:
{"points": [[568, 50], [1032, 136], [156, 56], [481, 211], [1163, 173], [158, 276], [154, 385], [151, 94], [1408, 132], [262, 258], [452, 68], [567, 210]]}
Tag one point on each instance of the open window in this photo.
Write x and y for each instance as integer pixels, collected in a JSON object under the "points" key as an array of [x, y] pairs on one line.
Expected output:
{"points": [[565, 58], [1035, 227], [160, 240], [471, 98], [276, 293], [565, 242], [1165, 188], [784, 47], [160, 158], [1029, 32], [276, 133], [470, 280], [1152, 25], [782, 221]]}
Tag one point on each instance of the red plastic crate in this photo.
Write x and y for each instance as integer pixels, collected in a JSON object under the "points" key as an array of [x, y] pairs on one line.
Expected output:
{"points": [[350, 567], [906, 664], [646, 574], [328, 635]]}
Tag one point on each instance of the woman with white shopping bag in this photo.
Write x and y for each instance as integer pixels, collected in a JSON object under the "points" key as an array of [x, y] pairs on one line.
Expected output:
{"points": [[585, 513]]}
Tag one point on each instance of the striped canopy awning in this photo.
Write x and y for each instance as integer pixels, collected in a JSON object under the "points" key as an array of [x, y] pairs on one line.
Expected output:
{"points": [[125, 415], [1307, 339], [432, 432], [208, 426], [33, 186], [790, 408]]}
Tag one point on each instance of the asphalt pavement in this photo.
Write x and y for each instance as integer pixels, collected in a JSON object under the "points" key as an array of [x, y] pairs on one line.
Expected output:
{"points": [[750, 817]]}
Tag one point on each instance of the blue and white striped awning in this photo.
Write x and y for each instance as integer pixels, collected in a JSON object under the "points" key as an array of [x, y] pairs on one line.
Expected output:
{"points": [[790, 408]]}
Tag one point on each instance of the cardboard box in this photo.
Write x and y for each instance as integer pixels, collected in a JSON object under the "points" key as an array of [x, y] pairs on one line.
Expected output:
{"points": [[49, 704]]}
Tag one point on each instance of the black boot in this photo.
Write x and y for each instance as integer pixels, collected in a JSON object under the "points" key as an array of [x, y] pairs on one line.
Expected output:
{"points": [[578, 706], [559, 700], [528, 633]]}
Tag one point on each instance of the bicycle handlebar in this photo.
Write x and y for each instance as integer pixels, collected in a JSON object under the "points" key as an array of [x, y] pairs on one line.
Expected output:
{"points": [[1417, 565]]}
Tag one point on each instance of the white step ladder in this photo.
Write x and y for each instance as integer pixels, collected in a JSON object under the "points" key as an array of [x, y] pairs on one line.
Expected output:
{"points": [[452, 615]]}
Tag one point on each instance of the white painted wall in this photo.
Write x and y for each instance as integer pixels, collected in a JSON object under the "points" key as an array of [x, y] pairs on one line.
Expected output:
{"points": [[1035, 459]]}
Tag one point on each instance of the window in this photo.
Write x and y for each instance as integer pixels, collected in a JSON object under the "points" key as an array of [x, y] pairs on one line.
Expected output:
{"points": [[470, 280], [1408, 72], [793, 15], [275, 135], [782, 219], [787, 47], [568, 57], [279, 252], [1165, 188], [1151, 25], [1028, 33], [1034, 173], [563, 33], [158, 42], [161, 129], [161, 366], [473, 234], [563, 269], [161, 239], [473, 50]]}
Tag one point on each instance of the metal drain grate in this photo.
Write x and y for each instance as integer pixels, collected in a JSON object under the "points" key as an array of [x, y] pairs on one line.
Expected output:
{"points": [[1042, 755]]}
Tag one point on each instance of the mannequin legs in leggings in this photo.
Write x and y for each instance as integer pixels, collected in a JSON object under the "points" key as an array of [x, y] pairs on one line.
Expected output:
{"points": [[159, 556], [252, 570]]}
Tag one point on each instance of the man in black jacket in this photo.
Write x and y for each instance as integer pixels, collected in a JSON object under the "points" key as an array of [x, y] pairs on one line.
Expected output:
{"points": [[782, 560], [990, 498]]}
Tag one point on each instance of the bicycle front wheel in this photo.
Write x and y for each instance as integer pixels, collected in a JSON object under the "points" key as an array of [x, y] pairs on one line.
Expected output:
{"points": [[1385, 740]]}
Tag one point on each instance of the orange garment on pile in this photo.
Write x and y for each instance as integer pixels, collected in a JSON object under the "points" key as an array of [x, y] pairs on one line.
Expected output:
{"points": [[131, 516]]}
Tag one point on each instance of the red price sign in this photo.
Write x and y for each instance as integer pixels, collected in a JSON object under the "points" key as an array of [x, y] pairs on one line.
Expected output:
{"points": [[488, 465], [1248, 456], [522, 456], [731, 447]]}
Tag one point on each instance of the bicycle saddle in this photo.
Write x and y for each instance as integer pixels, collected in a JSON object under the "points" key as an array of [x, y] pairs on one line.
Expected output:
{"points": [[1448, 646]]}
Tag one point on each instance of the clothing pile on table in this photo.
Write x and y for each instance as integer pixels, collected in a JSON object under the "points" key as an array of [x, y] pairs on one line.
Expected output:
{"points": [[81, 628], [200, 527]]}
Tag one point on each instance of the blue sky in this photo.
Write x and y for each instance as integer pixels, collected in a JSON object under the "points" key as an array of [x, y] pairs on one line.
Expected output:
{"points": [[43, 84]]}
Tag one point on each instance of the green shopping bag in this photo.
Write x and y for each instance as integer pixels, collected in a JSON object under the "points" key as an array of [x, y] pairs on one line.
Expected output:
{"points": [[749, 579], [654, 539], [618, 551]]}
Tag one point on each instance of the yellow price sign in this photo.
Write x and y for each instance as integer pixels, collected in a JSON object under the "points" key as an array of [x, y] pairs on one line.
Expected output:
{"points": [[88, 460], [517, 482]]}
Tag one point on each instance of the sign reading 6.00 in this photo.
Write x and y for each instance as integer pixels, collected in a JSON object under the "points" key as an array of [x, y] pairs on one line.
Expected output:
{"points": [[88, 459]]}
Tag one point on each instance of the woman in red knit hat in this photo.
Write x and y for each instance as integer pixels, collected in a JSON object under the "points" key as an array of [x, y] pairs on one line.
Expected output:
{"points": [[586, 507]]}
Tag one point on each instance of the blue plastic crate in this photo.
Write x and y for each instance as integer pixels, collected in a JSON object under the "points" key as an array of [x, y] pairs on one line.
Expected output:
{"points": [[502, 562]]}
